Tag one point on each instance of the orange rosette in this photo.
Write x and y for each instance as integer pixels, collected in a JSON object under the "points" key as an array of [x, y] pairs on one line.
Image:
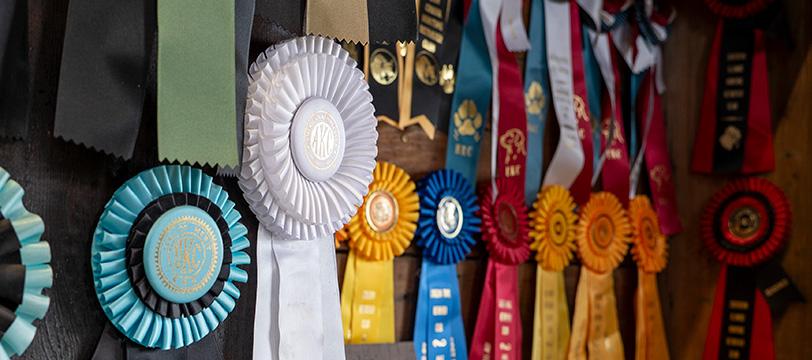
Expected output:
{"points": [[603, 233], [382, 228], [552, 227], [650, 249], [341, 236]]}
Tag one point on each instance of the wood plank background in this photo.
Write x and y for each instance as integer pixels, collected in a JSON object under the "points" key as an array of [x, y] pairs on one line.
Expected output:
{"points": [[68, 186]]}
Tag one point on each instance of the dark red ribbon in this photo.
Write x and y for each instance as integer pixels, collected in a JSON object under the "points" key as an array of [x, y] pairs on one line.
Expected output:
{"points": [[582, 186], [615, 173]]}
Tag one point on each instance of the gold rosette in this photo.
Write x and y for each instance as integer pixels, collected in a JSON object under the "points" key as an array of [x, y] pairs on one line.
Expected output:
{"points": [[650, 249], [603, 237], [341, 236], [552, 230], [382, 228]]}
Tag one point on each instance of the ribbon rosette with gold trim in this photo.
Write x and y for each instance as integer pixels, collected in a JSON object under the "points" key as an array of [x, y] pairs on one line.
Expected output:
{"points": [[165, 257], [603, 236], [24, 270], [310, 147], [552, 229], [650, 251], [744, 226], [382, 228]]}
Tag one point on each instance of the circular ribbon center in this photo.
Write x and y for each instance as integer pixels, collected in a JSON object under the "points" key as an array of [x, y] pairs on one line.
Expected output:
{"points": [[508, 220], [602, 232], [648, 233], [183, 254], [449, 217], [744, 222], [558, 228], [317, 139], [381, 211], [383, 66]]}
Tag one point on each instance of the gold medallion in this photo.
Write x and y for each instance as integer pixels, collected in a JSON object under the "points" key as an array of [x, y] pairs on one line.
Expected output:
{"points": [[425, 66], [381, 211], [383, 66], [534, 98], [447, 78], [744, 222]]}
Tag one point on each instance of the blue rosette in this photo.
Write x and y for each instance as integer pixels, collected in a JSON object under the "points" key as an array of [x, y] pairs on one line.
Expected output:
{"points": [[448, 223], [24, 270], [165, 257]]}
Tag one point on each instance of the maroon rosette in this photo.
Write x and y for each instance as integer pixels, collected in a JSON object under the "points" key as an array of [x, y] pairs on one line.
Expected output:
{"points": [[737, 9], [505, 228]]}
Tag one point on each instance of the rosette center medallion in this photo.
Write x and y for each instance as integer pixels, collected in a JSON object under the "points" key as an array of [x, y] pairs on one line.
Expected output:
{"points": [[317, 139], [382, 212], [449, 217], [508, 221]]}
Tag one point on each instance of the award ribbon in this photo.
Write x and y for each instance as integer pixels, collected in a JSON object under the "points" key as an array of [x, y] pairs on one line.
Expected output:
{"points": [[15, 92], [735, 129], [552, 228], [582, 185], [744, 225], [309, 152], [536, 99], [603, 236], [165, 257], [24, 270], [382, 228], [498, 331], [650, 253]]}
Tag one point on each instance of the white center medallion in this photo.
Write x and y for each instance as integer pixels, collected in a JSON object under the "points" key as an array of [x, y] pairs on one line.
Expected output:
{"points": [[449, 217], [317, 139]]}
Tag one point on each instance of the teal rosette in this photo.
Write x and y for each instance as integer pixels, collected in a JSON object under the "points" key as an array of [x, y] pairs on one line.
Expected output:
{"points": [[448, 223], [24, 270], [165, 257]]}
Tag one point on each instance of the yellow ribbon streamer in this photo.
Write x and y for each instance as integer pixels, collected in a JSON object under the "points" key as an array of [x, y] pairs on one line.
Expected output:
{"points": [[551, 327], [382, 228]]}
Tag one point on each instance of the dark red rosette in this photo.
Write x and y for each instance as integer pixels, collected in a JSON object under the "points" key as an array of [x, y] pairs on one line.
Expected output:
{"points": [[746, 222], [737, 9], [505, 226]]}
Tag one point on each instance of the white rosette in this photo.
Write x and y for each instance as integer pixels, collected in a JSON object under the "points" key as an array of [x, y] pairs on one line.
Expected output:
{"points": [[309, 152]]}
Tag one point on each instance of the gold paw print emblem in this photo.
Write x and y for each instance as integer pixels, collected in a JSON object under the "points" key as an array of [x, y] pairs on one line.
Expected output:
{"points": [[467, 120], [731, 138], [383, 66], [534, 98]]}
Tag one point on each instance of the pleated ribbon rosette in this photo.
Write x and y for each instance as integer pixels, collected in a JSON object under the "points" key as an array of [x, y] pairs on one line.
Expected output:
{"points": [[165, 257], [24, 270], [309, 151]]}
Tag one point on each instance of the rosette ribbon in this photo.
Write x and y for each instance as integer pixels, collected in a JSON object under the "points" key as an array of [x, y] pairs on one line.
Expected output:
{"points": [[309, 152], [552, 230], [24, 270], [382, 228], [735, 128], [165, 257], [650, 252], [446, 231], [744, 226], [603, 236]]}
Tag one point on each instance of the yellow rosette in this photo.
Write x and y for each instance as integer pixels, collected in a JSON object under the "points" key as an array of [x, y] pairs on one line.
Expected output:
{"points": [[650, 252], [552, 230], [382, 228], [603, 237]]}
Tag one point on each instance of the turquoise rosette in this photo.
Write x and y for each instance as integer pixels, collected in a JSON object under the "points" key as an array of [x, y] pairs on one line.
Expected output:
{"points": [[166, 255], [448, 223], [24, 270]]}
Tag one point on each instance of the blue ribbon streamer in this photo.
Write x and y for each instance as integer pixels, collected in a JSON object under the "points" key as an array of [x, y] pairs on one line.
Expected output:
{"points": [[472, 96], [536, 73], [594, 81]]}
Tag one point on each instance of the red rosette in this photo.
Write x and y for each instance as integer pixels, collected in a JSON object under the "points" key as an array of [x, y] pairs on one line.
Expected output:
{"points": [[505, 226], [746, 222], [737, 9]]}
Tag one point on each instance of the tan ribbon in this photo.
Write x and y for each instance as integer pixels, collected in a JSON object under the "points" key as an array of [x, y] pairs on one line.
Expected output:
{"points": [[551, 328], [338, 19], [650, 338], [595, 325]]}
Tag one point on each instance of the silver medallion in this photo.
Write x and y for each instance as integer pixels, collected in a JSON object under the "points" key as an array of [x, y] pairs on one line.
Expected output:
{"points": [[449, 217]]}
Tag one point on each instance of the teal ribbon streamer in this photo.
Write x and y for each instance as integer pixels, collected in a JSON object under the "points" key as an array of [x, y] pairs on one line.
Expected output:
{"points": [[536, 73], [637, 79], [594, 81], [472, 96]]}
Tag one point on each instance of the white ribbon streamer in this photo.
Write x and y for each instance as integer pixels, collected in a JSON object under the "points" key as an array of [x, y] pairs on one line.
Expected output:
{"points": [[512, 26]]}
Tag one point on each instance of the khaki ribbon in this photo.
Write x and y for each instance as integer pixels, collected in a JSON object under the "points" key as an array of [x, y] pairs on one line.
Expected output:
{"points": [[650, 338], [367, 301], [551, 328], [595, 325], [339, 19]]}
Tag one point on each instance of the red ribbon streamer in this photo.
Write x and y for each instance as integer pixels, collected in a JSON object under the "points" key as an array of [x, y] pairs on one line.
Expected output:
{"points": [[615, 173]]}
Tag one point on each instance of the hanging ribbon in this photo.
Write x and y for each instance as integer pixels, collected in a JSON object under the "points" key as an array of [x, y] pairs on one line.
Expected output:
{"points": [[118, 70], [735, 128], [582, 186], [650, 253], [603, 236], [342, 19], [744, 226], [15, 88], [552, 228], [498, 331], [382, 228], [25, 270], [536, 100], [386, 76], [307, 162]]}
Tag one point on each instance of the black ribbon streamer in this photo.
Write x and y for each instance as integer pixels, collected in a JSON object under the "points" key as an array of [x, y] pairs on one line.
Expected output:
{"points": [[385, 96], [14, 70], [113, 346]]}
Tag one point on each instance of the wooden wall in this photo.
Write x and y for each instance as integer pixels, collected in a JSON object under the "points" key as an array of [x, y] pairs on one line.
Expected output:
{"points": [[69, 185]]}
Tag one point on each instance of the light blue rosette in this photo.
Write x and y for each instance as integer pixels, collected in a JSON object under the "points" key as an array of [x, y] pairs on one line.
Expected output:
{"points": [[165, 257], [24, 270]]}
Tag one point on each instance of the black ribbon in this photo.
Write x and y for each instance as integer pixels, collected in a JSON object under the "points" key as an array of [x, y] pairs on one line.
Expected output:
{"points": [[15, 88], [113, 346], [383, 65], [7, 317], [778, 289], [12, 273], [437, 52], [135, 255], [740, 292]]}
